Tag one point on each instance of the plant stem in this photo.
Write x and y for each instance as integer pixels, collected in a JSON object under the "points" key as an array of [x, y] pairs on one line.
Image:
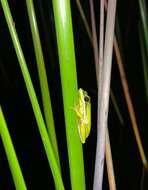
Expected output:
{"points": [[104, 104], [84, 20], [143, 31], [99, 65], [11, 155], [109, 163], [144, 62], [129, 104], [33, 98], [116, 107], [42, 78], [143, 15], [94, 39], [65, 41]]}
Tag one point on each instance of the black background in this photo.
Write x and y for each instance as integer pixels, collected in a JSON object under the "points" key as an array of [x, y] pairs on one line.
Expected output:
{"points": [[19, 114]]}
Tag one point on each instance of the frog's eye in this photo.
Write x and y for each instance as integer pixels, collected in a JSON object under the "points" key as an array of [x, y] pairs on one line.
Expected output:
{"points": [[86, 99]]}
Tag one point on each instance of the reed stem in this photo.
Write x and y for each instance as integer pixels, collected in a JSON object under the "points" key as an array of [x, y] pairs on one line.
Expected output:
{"points": [[42, 78], [65, 41], [11, 155]]}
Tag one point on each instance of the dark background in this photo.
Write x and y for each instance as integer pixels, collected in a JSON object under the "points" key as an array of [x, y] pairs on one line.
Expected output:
{"points": [[19, 114]]}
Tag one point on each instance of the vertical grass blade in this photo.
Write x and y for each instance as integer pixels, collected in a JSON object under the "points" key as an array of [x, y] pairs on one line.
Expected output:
{"points": [[64, 32], [42, 78], [37, 112], [11, 155]]}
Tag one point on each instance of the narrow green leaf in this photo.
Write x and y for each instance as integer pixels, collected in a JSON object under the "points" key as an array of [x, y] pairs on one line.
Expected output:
{"points": [[42, 78], [11, 155]]}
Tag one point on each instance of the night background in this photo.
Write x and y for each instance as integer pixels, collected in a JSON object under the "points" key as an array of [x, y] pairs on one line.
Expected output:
{"points": [[18, 111]]}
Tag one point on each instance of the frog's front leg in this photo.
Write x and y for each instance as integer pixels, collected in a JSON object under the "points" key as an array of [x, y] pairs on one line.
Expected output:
{"points": [[78, 112]]}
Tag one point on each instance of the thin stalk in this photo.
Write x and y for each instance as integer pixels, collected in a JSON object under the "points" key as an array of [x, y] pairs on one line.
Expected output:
{"points": [[118, 33], [33, 98], [65, 41], [105, 88], [119, 115], [129, 104], [94, 39], [99, 169], [144, 42], [108, 153], [144, 62], [109, 163], [84, 20], [42, 78], [143, 15], [142, 178], [99, 65], [11, 155], [144, 4], [46, 31], [114, 101]]}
